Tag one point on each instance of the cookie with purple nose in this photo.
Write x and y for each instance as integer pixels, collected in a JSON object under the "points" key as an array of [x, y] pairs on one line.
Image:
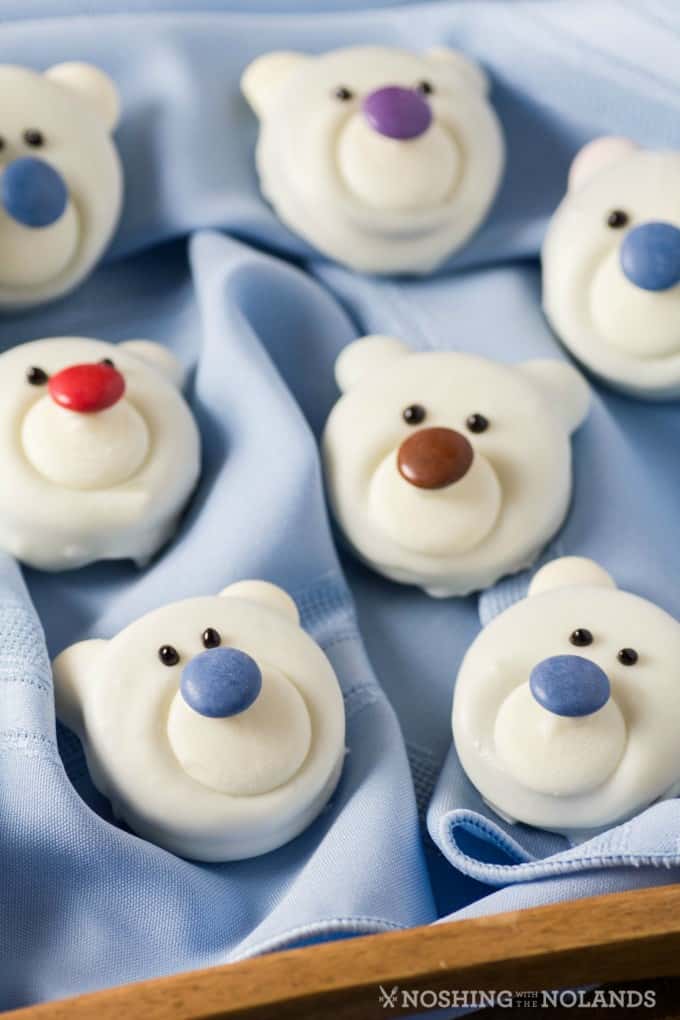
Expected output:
{"points": [[402, 155]]}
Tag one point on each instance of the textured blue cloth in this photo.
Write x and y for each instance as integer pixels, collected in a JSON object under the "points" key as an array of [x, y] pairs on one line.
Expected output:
{"points": [[83, 903]]}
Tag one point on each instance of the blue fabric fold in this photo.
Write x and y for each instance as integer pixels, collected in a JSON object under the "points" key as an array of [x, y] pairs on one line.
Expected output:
{"points": [[649, 841]]}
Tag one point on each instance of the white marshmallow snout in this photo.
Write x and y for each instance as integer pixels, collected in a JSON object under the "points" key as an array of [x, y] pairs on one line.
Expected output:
{"points": [[389, 174], [85, 451], [444, 521], [640, 323], [34, 261], [251, 752], [554, 754]]}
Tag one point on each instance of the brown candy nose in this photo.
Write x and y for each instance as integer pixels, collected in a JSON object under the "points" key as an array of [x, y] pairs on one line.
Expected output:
{"points": [[434, 458]]}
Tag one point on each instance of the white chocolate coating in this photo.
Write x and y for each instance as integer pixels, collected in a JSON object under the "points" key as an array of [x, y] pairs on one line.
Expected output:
{"points": [[495, 520], [213, 789], [624, 333], [378, 204], [266, 745], [563, 773], [75, 107], [104, 485]]}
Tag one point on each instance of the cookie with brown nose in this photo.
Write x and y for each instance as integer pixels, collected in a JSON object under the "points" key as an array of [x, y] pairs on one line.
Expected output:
{"points": [[445, 469]]}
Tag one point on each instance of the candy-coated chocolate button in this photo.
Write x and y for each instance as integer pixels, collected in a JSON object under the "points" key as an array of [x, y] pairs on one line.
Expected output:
{"points": [[397, 112], [87, 388], [221, 682], [650, 256], [434, 458], [569, 685], [33, 193]]}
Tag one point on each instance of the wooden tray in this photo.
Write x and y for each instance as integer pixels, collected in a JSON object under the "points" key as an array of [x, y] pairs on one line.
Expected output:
{"points": [[622, 937]]}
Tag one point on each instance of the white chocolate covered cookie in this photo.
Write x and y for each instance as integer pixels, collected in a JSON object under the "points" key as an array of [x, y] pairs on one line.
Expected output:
{"points": [[449, 470], [567, 705], [99, 451], [60, 178], [383, 159], [215, 726], [611, 266]]}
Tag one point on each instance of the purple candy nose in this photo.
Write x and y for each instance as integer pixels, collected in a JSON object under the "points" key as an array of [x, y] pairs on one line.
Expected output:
{"points": [[397, 112]]}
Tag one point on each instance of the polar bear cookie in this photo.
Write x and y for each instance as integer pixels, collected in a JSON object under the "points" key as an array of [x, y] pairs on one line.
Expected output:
{"points": [[60, 178], [215, 726], [385, 160], [98, 450], [611, 266], [448, 470], [567, 706]]}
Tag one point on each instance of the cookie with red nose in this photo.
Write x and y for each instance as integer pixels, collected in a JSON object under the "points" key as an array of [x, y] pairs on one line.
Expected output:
{"points": [[60, 178], [611, 266], [98, 448], [566, 706], [448, 470], [385, 160], [215, 726]]}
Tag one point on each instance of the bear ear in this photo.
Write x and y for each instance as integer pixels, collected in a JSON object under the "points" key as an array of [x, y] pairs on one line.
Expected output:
{"points": [[469, 72], [93, 85], [262, 79], [367, 357], [569, 571], [73, 671], [596, 155], [264, 594], [158, 357], [564, 387]]}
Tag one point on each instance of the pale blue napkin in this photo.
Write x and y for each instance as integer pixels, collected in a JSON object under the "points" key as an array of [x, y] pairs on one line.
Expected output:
{"points": [[84, 904]]}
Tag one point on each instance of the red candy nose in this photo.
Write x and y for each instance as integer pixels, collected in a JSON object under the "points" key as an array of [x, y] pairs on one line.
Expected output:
{"points": [[87, 388]]}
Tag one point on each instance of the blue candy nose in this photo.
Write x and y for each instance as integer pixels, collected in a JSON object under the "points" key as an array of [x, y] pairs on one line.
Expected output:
{"points": [[650, 256], [221, 682], [32, 192], [569, 685]]}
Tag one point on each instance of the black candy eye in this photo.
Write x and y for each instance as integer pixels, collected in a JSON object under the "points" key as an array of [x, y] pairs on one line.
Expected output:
{"points": [[425, 87], [36, 376], [581, 637], [168, 655], [627, 656], [211, 638], [107, 361], [343, 94], [617, 218], [477, 423], [414, 414], [34, 138]]}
